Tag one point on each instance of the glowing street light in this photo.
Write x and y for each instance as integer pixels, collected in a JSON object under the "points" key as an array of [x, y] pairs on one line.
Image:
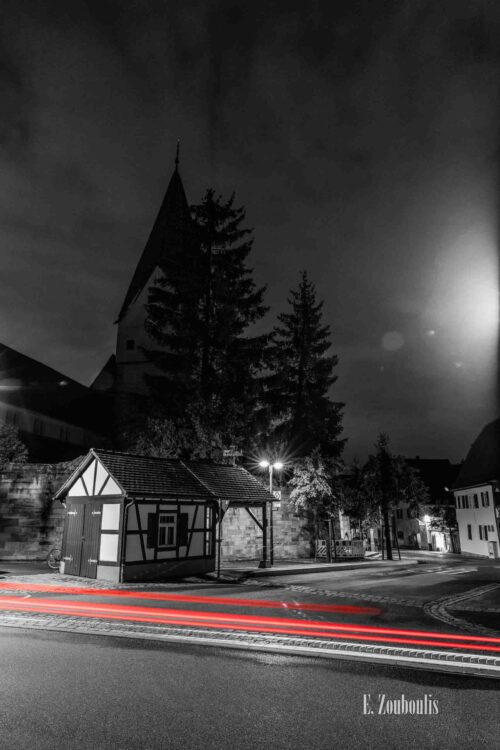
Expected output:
{"points": [[268, 465], [276, 465]]}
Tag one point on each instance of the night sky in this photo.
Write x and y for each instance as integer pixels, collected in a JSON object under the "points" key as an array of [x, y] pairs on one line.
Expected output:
{"points": [[360, 136]]}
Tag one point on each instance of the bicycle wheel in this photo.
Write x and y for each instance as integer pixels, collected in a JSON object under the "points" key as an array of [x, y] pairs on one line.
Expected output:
{"points": [[54, 558]]}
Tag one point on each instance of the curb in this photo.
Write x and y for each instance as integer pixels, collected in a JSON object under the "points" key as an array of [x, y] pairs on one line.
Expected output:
{"points": [[473, 665]]}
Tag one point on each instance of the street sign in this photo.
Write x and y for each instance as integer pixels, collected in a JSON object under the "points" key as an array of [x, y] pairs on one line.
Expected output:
{"points": [[277, 494]]}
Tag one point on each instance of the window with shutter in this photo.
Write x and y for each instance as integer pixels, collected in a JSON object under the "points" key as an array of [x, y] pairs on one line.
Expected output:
{"points": [[183, 529], [152, 530]]}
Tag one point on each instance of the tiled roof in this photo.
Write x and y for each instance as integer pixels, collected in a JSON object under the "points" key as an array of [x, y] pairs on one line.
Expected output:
{"points": [[144, 475], [230, 482], [483, 460], [171, 477], [173, 227]]}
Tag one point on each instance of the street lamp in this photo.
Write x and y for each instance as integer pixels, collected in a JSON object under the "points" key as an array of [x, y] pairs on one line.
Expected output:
{"points": [[277, 465], [267, 465]]}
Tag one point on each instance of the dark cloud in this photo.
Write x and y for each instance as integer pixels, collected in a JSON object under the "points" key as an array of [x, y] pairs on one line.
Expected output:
{"points": [[360, 136]]}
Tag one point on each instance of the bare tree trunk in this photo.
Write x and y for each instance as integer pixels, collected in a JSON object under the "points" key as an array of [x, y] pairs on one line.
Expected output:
{"points": [[387, 531]]}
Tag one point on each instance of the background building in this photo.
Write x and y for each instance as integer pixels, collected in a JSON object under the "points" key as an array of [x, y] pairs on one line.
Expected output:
{"points": [[57, 418], [477, 495]]}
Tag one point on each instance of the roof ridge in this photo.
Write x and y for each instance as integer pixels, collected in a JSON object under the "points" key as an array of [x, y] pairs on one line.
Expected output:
{"points": [[136, 455], [198, 479]]}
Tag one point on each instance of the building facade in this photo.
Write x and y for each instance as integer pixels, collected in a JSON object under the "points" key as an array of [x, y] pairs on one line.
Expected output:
{"points": [[137, 518], [477, 495]]}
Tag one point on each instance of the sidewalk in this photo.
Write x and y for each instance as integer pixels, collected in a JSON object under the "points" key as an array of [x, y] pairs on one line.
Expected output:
{"points": [[250, 568]]}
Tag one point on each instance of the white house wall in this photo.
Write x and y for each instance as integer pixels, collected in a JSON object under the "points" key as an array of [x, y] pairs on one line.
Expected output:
{"points": [[132, 364], [94, 481], [137, 523], [475, 517]]}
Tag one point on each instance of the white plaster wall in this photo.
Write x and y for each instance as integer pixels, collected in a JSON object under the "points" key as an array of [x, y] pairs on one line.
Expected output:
{"points": [[132, 365], [476, 517]]}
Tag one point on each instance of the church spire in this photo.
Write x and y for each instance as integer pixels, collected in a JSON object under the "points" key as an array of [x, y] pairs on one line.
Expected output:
{"points": [[172, 228]]}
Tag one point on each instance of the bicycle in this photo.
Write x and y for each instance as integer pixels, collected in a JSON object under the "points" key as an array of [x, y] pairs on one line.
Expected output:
{"points": [[53, 559]]}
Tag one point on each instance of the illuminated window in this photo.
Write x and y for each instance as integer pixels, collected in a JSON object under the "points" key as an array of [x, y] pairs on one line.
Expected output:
{"points": [[166, 530]]}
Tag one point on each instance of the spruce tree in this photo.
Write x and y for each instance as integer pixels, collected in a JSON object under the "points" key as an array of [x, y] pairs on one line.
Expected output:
{"points": [[173, 324], [230, 360], [199, 313], [301, 375]]}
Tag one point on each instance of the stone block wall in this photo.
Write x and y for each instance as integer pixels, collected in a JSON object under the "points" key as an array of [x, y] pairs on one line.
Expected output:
{"points": [[242, 538], [30, 522]]}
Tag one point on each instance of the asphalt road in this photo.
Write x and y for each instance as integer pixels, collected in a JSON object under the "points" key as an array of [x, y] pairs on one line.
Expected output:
{"points": [[61, 690], [373, 598]]}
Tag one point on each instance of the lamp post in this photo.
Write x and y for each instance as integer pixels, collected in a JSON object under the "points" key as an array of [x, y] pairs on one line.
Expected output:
{"points": [[276, 465]]}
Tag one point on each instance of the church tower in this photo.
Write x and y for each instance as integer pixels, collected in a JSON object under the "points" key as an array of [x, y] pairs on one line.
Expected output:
{"points": [[173, 231]]}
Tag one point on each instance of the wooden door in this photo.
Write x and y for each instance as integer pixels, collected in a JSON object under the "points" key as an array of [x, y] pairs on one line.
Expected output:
{"points": [[73, 531], [90, 540]]}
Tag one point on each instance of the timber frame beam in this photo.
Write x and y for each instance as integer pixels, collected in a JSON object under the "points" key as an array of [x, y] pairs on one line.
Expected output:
{"points": [[254, 518]]}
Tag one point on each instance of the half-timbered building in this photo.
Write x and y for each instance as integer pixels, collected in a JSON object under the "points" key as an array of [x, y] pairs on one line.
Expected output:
{"points": [[137, 518]]}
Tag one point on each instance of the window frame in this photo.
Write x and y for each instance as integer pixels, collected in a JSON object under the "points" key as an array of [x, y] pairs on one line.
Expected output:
{"points": [[167, 526]]}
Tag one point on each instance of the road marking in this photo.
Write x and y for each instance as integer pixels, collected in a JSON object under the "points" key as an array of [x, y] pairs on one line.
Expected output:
{"points": [[456, 571], [445, 570]]}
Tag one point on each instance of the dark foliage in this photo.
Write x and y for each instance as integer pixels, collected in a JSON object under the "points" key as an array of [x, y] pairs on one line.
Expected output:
{"points": [[199, 314], [301, 374]]}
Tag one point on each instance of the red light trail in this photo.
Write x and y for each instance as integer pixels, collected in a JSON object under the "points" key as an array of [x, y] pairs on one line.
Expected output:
{"points": [[192, 599], [252, 623]]}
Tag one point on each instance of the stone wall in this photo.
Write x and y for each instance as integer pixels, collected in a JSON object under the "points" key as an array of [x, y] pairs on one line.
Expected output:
{"points": [[30, 522], [242, 538]]}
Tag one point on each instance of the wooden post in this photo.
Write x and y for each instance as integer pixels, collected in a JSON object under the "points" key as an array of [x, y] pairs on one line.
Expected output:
{"points": [[331, 527], [271, 534], [328, 541], [219, 539], [263, 563], [382, 535]]}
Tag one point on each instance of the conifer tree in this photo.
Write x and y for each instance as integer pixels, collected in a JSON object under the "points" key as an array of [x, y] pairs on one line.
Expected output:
{"points": [[200, 313], [230, 360], [301, 375], [386, 479]]}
